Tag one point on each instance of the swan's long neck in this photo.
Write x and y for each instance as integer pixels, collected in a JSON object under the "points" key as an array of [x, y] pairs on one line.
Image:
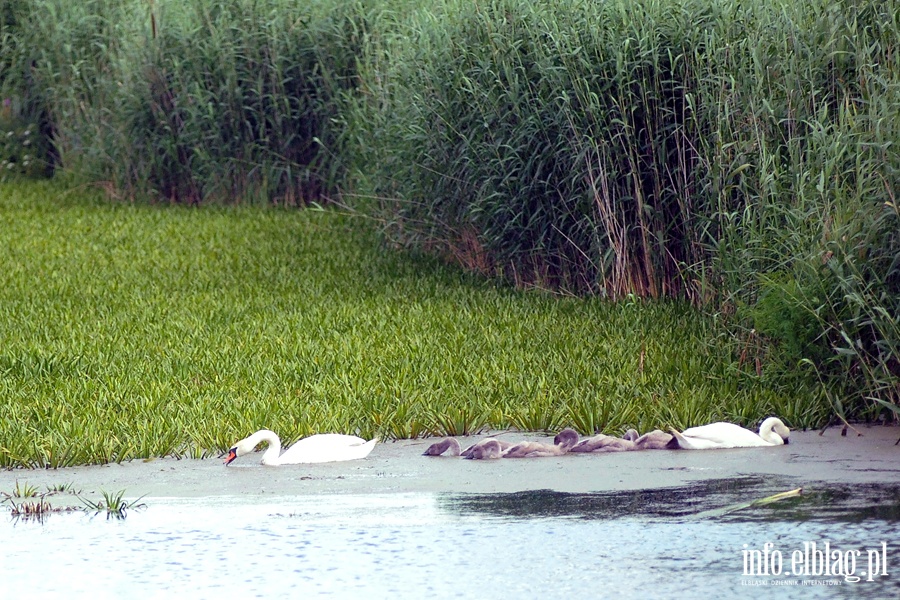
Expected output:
{"points": [[453, 445], [270, 456], [767, 432]]}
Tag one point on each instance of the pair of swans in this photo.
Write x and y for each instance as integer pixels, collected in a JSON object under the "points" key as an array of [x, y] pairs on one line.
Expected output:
{"points": [[319, 448], [334, 447]]}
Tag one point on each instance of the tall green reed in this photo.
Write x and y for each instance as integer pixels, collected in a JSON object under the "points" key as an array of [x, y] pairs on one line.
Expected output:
{"points": [[25, 126], [194, 101], [714, 151], [807, 245], [551, 143]]}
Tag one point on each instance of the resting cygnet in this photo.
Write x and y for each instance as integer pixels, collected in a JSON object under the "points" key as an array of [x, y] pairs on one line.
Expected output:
{"points": [[485, 450], [562, 443], [608, 443], [438, 448], [467, 453], [622, 444], [588, 444], [653, 440]]}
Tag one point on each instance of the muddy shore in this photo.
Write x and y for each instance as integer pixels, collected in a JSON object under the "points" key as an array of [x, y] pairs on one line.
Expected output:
{"points": [[399, 467]]}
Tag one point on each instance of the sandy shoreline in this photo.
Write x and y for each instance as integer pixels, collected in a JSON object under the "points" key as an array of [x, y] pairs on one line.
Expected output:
{"points": [[399, 467]]}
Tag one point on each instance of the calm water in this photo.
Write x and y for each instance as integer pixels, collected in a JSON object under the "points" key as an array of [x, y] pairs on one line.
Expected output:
{"points": [[524, 545]]}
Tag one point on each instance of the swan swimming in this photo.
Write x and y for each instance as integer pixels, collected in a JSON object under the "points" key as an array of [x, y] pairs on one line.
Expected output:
{"points": [[772, 432], [562, 443], [319, 448]]}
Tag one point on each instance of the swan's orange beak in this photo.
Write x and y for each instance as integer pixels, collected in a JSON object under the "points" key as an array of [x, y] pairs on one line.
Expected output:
{"points": [[232, 454]]}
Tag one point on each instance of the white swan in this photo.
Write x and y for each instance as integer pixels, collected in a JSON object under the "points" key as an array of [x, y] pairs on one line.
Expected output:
{"points": [[319, 448], [772, 432]]}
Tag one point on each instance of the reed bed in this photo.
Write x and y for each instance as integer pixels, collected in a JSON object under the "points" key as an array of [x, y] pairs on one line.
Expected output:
{"points": [[133, 331], [741, 155], [187, 101]]}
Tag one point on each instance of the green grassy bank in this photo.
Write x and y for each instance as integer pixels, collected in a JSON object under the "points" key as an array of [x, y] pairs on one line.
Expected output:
{"points": [[133, 331]]}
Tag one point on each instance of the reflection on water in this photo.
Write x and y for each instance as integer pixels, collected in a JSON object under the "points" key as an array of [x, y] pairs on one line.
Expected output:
{"points": [[834, 503], [524, 545]]}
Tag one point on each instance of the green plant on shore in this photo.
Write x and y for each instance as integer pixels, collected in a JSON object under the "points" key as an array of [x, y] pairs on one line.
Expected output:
{"points": [[61, 488], [212, 101], [23, 490], [23, 150], [457, 420], [34, 505]]}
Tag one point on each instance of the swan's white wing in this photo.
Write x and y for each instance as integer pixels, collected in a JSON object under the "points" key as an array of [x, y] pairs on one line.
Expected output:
{"points": [[327, 447], [693, 443], [721, 435]]}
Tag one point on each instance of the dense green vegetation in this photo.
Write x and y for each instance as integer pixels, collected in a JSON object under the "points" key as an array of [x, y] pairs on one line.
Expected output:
{"points": [[184, 101], [134, 331], [744, 155], [737, 155]]}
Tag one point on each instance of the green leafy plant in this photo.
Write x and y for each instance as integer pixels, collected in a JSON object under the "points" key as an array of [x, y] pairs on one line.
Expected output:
{"points": [[22, 490], [661, 150], [62, 488]]}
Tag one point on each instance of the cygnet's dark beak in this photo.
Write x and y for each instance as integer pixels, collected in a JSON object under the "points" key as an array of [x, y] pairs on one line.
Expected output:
{"points": [[232, 454], [787, 440]]}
